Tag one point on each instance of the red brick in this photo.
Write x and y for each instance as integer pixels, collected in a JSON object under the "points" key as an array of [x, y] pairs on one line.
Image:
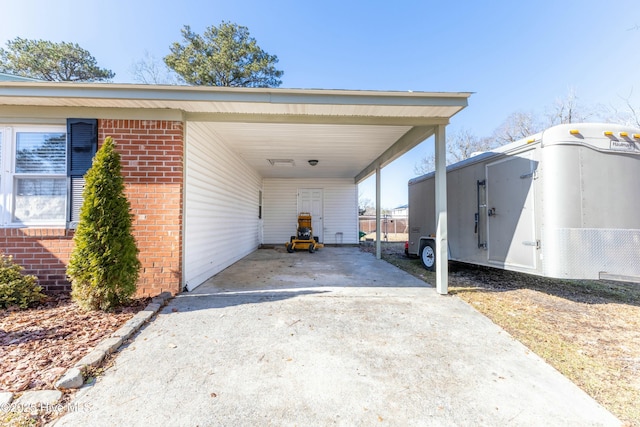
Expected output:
{"points": [[152, 167]]}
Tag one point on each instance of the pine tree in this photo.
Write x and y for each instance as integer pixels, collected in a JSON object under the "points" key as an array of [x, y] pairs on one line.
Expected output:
{"points": [[104, 264]]}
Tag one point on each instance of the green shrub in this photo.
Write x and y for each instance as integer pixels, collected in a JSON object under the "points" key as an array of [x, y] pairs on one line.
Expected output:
{"points": [[104, 264], [17, 289]]}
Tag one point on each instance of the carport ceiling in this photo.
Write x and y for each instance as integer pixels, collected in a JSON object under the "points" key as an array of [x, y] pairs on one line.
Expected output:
{"points": [[348, 132], [342, 151]]}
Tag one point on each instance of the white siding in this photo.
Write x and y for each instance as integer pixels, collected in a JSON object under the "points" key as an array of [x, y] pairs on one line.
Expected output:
{"points": [[340, 205], [220, 206]]}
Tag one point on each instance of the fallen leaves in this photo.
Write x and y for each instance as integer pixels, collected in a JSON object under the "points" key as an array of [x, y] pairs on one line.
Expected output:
{"points": [[40, 344]]}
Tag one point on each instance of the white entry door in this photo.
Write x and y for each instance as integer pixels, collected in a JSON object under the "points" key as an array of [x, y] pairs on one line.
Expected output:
{"points": [[310, 200]]}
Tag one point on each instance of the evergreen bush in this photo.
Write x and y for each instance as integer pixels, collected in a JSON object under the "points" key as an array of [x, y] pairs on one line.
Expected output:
{"points": [[17, 289], [104, 264]]}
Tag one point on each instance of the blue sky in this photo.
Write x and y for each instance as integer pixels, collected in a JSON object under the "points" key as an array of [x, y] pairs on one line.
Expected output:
{"points": [[514, 55]]}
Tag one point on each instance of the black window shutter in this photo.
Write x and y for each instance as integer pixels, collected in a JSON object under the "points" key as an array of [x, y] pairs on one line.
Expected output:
{"points": [[82, 144]]}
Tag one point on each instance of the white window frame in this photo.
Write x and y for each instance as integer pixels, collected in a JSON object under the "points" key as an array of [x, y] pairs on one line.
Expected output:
{"points": [[5, 138], [8, 176]]}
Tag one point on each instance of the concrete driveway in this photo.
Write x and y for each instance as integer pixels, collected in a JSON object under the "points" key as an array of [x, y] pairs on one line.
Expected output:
{"points": [[331, 338]]}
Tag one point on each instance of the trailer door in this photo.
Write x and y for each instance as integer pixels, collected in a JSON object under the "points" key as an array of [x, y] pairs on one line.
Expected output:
{"points": [[511, 216]]}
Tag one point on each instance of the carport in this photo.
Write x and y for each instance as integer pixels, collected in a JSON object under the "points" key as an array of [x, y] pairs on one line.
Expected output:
{"points": [[241, 142], [350, 134]]}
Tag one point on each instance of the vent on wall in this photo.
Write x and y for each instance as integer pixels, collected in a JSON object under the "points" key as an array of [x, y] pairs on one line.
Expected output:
{"points": [[282, 162]]}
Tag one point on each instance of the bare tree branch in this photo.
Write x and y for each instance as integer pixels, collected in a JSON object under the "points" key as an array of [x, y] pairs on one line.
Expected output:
{"points": [[461, 145], [567, 110], [520, 124], [151, 70], [517, 126]]}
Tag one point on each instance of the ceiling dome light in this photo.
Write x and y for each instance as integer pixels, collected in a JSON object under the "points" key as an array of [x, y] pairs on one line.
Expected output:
{"points": [[313, 162]]}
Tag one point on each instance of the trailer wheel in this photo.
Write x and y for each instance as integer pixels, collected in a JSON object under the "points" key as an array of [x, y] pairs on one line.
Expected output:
{"points": [[290, 248], [428, 255]]}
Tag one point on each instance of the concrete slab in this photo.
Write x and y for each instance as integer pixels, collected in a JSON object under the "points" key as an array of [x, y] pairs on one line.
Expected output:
{"points": [[335, 337]]}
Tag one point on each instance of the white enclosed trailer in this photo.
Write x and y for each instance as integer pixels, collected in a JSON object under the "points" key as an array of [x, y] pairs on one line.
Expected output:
{"points": [[564, 203]]}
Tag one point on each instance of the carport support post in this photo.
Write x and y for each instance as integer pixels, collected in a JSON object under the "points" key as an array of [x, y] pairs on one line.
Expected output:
{"points": [[378, 198], [442, 270]]}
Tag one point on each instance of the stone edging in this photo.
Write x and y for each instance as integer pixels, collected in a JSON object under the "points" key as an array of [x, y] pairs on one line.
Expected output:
{"points": [[73, 378]]}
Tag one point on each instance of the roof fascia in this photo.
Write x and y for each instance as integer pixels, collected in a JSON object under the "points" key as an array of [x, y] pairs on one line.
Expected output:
{"points": [[9, 113], [218, 94]]}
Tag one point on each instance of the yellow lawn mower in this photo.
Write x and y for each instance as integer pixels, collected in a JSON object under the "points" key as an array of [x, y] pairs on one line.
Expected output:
{"points": [[304, 238]]}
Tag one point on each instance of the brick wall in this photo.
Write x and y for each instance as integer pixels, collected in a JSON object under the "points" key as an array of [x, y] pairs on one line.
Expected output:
{"points": [[152, 159], [41, 251], [152, 163]]}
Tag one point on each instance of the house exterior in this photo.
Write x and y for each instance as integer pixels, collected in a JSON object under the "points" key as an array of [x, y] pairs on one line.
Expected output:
{"points": [[211, 173], [152, 160], [400, 211]]}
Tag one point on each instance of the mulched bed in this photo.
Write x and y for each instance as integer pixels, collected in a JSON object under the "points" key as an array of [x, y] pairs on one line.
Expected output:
{"points": [[38, 345]]}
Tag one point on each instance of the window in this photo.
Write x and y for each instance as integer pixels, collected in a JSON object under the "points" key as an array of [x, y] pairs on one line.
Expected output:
{"points": [[42, 172], [33, 176], [1, 167]]}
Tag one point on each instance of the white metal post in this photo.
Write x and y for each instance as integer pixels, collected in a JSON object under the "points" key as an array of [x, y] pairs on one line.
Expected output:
{"points": [[378, 198], [442, 267]]}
